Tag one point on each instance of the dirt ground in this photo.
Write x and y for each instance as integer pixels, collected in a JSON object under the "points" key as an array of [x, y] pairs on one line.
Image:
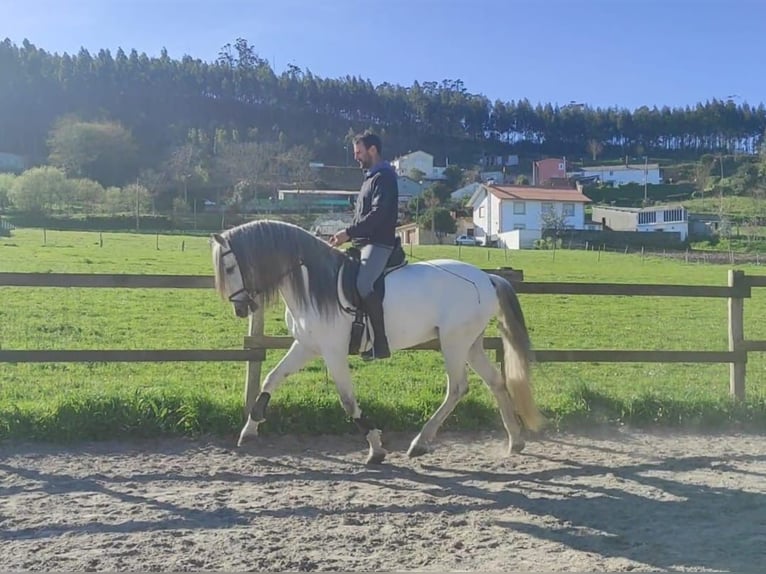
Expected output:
{"points": [[623, 500]]}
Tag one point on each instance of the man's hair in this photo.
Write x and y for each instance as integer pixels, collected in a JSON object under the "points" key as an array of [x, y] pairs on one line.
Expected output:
{"points": [[369, 139]]}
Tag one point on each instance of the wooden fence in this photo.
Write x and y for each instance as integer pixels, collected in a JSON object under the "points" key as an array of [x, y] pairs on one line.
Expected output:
{"points": [[256, 343]]}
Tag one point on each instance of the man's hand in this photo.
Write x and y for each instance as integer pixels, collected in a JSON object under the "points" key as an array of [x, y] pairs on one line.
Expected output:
{"points": [[339, 238]]}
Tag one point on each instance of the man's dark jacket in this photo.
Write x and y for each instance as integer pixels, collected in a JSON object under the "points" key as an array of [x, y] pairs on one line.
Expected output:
{"points": [[377, 208]]}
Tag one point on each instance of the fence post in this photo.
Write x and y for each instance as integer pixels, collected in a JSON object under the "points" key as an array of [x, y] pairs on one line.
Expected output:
{"points": [[737, 335], [500, 359], [253, 374]]}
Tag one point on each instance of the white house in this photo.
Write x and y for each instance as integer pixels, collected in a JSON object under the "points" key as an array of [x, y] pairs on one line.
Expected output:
{"points": [[668, 218], [616, 175], [513, 215], [421, 161]]}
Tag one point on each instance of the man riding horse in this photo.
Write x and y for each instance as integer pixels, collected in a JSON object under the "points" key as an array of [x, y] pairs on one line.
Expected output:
{"points": [[373, 232]]}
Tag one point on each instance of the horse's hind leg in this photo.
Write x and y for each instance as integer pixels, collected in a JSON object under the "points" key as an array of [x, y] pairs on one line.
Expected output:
{"points": [[480, 363], [455, 354], [337, 365], [295, 358]]}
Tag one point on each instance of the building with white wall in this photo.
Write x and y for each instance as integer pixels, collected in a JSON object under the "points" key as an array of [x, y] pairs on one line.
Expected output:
{"points": [[498, 210], [421, 161], [667, 218], [617, 175]]}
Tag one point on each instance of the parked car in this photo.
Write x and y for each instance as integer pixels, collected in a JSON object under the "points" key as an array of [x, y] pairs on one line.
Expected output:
{"points": [[466, 240]]}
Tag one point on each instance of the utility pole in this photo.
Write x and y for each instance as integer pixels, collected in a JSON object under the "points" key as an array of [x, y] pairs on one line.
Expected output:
{"points": [[489, 218]]}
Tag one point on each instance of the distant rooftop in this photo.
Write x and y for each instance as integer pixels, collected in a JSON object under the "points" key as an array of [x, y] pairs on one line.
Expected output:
{"points": [[637, 209], [541, 193], [620, 167]]}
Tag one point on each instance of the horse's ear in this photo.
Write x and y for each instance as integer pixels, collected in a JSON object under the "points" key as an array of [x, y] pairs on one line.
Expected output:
{"points": [[218, 239]]}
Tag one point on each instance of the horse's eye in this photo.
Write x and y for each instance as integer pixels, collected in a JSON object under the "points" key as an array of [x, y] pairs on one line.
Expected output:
{"points": [[229, 270]]}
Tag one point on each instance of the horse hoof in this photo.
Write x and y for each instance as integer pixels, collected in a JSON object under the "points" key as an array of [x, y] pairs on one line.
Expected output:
{"points": [[417, 450], [246, 440], [248, 434], [517, 446], [375, 457]]}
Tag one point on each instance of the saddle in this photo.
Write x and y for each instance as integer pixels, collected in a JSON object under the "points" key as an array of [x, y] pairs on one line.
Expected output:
{"points": [[348, 274]]}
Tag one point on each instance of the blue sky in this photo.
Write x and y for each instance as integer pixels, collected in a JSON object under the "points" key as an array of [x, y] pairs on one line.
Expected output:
{"points": [[624, 53]]}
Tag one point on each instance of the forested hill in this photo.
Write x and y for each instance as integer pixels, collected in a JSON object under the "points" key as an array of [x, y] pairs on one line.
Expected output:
{"points": [[161, 99]]}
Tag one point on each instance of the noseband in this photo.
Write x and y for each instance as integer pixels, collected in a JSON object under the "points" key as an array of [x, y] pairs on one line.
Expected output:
{"points": [[251, 303]]}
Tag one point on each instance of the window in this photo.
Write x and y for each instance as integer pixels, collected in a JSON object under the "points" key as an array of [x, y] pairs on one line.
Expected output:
{"points": [[568, 210], [673, 214], [519, 208], [547, 207], [519, 226], [646, 217], [481, 211]]}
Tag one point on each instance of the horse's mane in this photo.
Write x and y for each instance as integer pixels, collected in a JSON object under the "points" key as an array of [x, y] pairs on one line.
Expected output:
{"points": [[269, 251]]}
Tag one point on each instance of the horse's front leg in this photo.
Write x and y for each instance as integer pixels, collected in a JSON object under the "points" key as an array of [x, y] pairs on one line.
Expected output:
{"points": [[337, 365], [295, 358]]}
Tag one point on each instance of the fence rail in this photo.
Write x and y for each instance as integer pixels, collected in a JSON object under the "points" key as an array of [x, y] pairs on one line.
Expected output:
{"points": [[110, 281], [127, 281], [256, 343], [132, 356], [552, 356]]}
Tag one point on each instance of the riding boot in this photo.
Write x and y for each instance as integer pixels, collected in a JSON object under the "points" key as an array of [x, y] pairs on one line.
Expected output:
{"points": [[373, 304]]}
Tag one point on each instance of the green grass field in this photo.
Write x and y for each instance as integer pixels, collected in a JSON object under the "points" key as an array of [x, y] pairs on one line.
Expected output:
{"points": [[74, 401]]}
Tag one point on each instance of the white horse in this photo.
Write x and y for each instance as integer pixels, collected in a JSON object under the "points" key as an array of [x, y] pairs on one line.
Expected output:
{"points": [[439, 299]]}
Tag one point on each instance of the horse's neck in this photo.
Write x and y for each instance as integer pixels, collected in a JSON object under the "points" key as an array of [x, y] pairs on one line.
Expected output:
{"points": [[291, 299], [310, 314]]}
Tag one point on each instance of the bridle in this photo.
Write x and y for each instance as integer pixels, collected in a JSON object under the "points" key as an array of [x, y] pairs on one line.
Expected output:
{"points": [[252, 304]]}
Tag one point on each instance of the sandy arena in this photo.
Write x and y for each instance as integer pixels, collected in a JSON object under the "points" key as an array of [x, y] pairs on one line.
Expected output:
{"points": [[624, 500]]}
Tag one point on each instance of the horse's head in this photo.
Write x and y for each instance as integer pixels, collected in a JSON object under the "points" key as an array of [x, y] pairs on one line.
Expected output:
{"points": [[229, 281]]}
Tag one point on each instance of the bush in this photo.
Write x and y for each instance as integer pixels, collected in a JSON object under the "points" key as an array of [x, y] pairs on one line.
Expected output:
{"points": [[548, 243], [39, 189]]}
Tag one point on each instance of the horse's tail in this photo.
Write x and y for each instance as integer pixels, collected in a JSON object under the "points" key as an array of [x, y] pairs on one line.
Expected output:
{"points": [[516, 351]]}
